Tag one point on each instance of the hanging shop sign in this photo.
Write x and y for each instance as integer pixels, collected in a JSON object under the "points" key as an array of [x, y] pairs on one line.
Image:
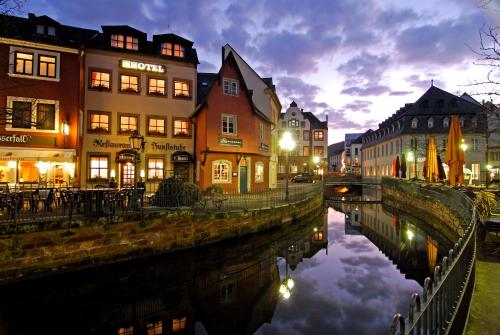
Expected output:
{"points": [[133, 65], [182, 157], [27, 139], [264, 147], [231, 142]]}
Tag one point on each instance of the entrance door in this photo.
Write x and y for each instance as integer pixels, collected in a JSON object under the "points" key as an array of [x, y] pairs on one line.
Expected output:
{"points": [[181, 171], [127, 174], [243, 179]]}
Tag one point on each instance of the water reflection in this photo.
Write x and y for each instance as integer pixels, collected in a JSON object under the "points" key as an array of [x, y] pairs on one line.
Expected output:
{"points": [[351, 269]]}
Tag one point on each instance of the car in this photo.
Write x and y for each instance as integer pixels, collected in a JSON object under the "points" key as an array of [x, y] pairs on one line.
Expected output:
{"points": [[303, 178]]}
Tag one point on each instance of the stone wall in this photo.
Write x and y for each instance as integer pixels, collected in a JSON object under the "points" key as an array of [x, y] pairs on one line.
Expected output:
{"points": [[30, 250], [444, 208]]}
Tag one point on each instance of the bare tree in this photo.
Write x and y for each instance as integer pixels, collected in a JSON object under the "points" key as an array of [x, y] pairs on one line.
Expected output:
{"points": [[10, 7]]}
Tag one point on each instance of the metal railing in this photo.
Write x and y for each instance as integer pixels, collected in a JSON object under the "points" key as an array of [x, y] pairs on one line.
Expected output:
{"points": [[439, 310]]}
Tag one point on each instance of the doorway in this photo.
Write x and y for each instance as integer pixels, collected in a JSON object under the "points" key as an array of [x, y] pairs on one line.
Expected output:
{"points": [[243, 174], [127, 174]]}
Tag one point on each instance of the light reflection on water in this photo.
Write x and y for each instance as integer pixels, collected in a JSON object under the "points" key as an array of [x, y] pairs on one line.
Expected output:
{"points": [[353, 268]]}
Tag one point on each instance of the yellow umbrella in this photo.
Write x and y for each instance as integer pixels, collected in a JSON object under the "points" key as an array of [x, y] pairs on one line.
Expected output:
{"points": [[432, 172], [454, 153]]}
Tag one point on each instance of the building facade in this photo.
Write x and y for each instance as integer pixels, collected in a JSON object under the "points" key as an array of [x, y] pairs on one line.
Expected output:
{"points": [[493, 165], [311, 140], [408, 130], [335, 157], [136, 86]]}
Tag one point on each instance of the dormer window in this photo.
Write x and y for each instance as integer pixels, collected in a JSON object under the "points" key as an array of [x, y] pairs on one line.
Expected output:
{"points": [[117, 41], [124, 42], [230, 87], [51, 31], [414, 123], [178, 50], [446, 122], [132, 43], [169, 49], [40, 29], [430, 123]]}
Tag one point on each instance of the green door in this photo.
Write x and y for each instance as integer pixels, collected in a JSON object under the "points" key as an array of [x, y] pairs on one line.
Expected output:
{"points": [[243, 179]]}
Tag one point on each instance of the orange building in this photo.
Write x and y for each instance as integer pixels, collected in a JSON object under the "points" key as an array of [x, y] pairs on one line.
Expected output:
{"points": [[232, 137]]}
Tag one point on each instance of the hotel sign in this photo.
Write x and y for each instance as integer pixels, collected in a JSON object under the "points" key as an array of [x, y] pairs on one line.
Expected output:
{"points": [[231, 142], [133, 65]]}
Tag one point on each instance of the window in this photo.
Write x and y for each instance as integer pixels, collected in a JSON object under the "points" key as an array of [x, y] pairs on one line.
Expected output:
{"points": [[99, 122], [100, 80], [462, 122], [229, 124], [40, 29], [293, 123], [156, 126], [305, 151], [178, 50], [319, 151], [117, 41], [132, 43], [51, 31], [182, 89], [259, 172], [179, 324], [261, 130], [306, 135], [128, 124], [414, 123], [155, 168], [21, 114], [99, 167], [474, 122], [475, 144], [356, 152], [230, 87], [23, 63], [156, 86], [302, 124], [169, 49], [430, 123], [182, 127], [126, 330], [46, 66], [154, 328], [45, 116], [221, 171], [129, 83], [446, 122], [319, 135], [475, 171]]}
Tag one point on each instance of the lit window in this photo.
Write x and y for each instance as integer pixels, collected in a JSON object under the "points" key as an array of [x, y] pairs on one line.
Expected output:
{"points": [[319, 151], [221, 171], [155, 168], [475, 171], [305, 151], [101, 80], [446, 122], [430, 123], [21, 114], [306, 135], [178, 50], [154, 328], [319, 135], [126, 330], [182, 89], [129, 83], [166, 49], [47, 66], [182, 128], [156, 86], [132, 43], [99, 122], [318, 236], [51, 31], [24, 63], [128, 124], [45, 116], [293, 123], [99, 167], [117, 41], [414, 123], [229, 124], [179, 324], [259, 172], [230, 87], [156, 126]]}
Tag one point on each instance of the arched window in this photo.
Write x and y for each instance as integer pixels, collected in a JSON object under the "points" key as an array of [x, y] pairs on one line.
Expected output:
{"points": [[259, 172], [430, 123], [446, 122], [414, 122], [221, 171]]}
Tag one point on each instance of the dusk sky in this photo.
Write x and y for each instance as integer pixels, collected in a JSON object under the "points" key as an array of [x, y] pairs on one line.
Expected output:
{"points": [[357, 61]]}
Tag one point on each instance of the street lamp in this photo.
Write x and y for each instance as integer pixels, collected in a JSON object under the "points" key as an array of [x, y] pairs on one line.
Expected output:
{"points": [[287, 144], [136, 143]]}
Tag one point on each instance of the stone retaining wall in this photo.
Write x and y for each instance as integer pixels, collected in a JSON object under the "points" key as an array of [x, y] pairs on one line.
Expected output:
{"points": [[54, 247]]}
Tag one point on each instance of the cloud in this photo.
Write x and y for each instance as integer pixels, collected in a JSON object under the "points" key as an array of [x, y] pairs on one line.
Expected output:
{"points": [[366, 91], [358, 106], [399, 93]]}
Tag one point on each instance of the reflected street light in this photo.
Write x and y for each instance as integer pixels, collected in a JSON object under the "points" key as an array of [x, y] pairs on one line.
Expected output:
{"points": [[287, 144]]}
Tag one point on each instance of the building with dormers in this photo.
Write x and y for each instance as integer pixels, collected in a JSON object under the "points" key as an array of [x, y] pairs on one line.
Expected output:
{"points": [[41, 100], [409, 128], [311, 140], [133, 84]]}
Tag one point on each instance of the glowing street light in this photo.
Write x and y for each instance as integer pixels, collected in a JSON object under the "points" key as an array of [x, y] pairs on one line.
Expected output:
{"points": [[287, 144], [463, 145]]}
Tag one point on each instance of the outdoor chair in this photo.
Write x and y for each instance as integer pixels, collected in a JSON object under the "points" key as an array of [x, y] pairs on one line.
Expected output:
{"points": [[43, 196]]}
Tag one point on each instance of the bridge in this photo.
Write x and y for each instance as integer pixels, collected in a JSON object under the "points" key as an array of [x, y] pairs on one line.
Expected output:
{"points": [[350, 180]]}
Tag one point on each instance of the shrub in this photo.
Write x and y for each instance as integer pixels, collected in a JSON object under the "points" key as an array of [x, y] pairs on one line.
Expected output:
{"points": [[173, 192]]}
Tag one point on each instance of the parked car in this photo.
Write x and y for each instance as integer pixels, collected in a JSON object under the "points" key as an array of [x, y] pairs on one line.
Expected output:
{"points": [[303, 178]]}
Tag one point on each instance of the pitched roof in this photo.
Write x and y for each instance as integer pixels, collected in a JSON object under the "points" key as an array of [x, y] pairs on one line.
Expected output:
{"points": [[336, 148], [205, 82], [314, 121]]}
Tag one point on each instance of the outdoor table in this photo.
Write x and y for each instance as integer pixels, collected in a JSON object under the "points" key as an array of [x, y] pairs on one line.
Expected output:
{"points": [[93, 200]]}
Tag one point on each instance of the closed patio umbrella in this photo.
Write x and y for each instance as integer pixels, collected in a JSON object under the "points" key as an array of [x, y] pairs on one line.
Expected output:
{"points": [[398, 167], [432, 172], [393, 171], [441, 173], [403, 166], [454, 154]]}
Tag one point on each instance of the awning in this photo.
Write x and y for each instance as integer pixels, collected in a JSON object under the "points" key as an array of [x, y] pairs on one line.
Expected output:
{"points": [[182, 157], [36, 154]]}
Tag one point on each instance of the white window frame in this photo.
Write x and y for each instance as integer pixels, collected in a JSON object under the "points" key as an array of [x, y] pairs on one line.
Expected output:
{"points": [[36, 53], [259, 178], [34, 103], [414, 123], [476, 171], [430, 123], [228, 87], [229, 171], [235, 124], [446, 122]]}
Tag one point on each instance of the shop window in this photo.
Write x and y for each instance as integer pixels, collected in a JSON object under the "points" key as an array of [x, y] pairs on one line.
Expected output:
{"points": [[154, 328], [230, 87], [128, 124], [259, 172], [229, 124], [129, 83], [28, 172], [305, 151], [179, 324], [117, 41], [182, 89], [8, 171], [45, 116], [306, 135], [293, 123], [319, 151], [132, 43], [319, 135], [21, 114], [99, 122], [156, 126], [155, 168], [156, 86], [100, 80], [23, 63], [182, 128], [99, 166], [47, 66], [221, 172]]}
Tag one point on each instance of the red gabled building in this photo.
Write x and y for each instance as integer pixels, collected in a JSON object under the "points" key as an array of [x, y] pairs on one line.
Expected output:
{"points": [[232, 137]]}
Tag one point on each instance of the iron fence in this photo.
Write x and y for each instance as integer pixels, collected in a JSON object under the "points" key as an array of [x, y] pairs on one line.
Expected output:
{"points": [[440, 309]]}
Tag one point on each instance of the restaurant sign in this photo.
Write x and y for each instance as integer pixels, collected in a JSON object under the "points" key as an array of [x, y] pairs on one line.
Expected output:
{"points": [[154, 145], [231, 142], [132, 65], [27, 139]]}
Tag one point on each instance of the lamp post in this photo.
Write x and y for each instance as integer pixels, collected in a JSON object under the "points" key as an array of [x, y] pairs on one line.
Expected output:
{"points": [[287, 144], [136, 143]]}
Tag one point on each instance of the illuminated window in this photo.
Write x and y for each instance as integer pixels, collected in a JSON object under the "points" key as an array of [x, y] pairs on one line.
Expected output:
{"points": [[166, 49], [156, 126], [132, 43], [179, 324], [182, 128], [293, 123], [28, 171], [306, 135], [156, 86], [319, 135], [182, 89], [259, 172], [318, 236], [319, 151], [117, 41], [221, 171], [475, 171], [230, 87], [229, 124], [100, 79], [126, 330], [305, 151], [129, 83], [45, 116], [155, 168], [128, 124], [21, 114], [24, 63], [99, 167], [99, 122], [154, 328], [46, 66]]}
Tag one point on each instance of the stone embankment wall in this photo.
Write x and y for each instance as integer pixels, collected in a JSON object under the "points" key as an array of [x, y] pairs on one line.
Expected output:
{"points": [[444, 208], [33, 250]]}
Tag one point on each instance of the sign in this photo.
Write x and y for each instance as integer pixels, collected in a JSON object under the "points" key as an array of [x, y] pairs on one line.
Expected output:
{"points": [[168, 146], [264, 147], [28, 139], [132, 65], [109, 144], [230, 142], [154, 145]]}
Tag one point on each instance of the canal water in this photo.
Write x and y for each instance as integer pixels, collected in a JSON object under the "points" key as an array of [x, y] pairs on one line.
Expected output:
{"points": [[352, 269]]}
